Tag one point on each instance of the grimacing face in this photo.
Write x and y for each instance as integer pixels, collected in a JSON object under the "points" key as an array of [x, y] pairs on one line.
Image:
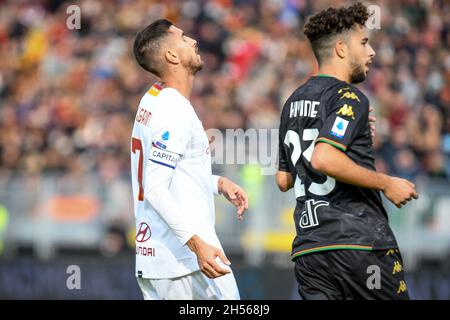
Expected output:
{"points": [[187, 49], [360, 54]]}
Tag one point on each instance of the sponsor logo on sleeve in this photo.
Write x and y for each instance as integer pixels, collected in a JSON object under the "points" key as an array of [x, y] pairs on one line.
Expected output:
{"points": [[339, 127], [161, 143]]}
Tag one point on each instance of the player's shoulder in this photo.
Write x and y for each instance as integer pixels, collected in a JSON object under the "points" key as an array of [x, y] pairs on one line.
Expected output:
{"points": [[319, 85], [314, 87], [173, 96], [168, 102], [348, 92]]}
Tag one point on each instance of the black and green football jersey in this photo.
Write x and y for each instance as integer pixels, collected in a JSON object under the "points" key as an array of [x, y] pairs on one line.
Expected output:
{"points": [[330, 214]]}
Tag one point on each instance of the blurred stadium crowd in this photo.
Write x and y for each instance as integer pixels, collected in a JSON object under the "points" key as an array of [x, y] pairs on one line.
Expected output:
{"points": [[68, 97]]}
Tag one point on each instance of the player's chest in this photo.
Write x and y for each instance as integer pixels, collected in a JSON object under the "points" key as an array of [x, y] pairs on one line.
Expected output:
{"points": [[198, 145]]}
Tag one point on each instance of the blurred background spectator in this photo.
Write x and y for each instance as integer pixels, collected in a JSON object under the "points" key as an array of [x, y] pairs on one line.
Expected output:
{"points": [[68, 97]]}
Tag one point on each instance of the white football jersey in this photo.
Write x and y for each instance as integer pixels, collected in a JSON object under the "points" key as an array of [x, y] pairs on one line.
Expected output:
{"points": [[168, 133]]}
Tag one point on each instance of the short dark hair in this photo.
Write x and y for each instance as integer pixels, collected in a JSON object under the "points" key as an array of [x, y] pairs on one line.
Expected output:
{"points": [[147, 44], [322, 28]]}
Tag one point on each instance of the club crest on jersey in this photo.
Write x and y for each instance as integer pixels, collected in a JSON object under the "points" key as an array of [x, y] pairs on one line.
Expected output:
{"points": [[339, 127], [346, 111]]}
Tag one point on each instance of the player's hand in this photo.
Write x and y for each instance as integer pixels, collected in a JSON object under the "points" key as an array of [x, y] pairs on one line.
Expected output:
{"points": [[209, 258], [372, 120], [235, 195], [399, 191]]}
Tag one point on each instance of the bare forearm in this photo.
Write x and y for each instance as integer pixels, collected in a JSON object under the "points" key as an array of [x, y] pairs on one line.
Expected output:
{"points": [[334, 163], [284, 180]]}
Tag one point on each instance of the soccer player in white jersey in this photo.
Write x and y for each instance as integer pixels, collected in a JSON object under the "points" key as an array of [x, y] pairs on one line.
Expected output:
{"points": [[178, 254]]}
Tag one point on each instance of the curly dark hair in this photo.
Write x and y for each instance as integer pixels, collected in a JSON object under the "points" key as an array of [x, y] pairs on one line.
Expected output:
{"points": [[322, 28]]}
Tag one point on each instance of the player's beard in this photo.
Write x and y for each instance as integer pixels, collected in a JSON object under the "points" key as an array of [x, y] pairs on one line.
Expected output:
{"points": [[194, 66], [358, 74]]}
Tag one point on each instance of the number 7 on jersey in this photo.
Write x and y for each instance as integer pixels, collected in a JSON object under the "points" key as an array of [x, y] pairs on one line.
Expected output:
{"points": [[136, 144]]}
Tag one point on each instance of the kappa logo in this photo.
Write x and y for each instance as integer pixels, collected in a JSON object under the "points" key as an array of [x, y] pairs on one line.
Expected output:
{"points": [[401, 287], [346, 111], [392, 251], [350, 95], [143, 232], [397, 267], [343, 89]]}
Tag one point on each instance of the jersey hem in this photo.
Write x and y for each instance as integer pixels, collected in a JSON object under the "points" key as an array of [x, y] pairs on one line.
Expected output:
{"points": [[144, 273], [340, 247], [331, 247], [181, 275]]}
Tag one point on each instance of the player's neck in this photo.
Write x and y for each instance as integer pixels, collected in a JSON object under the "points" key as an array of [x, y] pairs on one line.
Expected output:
{"points": [[182, 83], [336, 72]]}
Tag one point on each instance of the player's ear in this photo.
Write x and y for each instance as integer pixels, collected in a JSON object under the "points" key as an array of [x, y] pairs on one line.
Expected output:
{"points": [[171, 56], [340, 48]]}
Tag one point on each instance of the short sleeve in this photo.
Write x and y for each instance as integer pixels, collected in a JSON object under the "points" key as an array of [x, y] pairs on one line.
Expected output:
{"points": [[283, 162], [283, 151], [346, 118]]}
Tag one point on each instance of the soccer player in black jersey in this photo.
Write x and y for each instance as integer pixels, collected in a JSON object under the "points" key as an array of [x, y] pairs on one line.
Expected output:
{"points": [[344, 248]]}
